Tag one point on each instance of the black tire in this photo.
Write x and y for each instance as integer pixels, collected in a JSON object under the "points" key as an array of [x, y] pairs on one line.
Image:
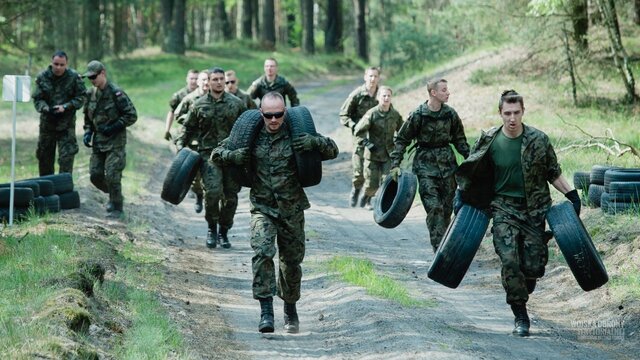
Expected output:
{"points": [[393, 199], [243, 134], [39, 205], [62, 182], [19, 214], [459, 246], [581, 180], [309, 163], [612, 207], [620, 175], [625, 191], [47, 188], [69, 200], [22, 197], [25, 184], [595, 192], [576, 246], [597, 173], [180, 176], [52, 203]]}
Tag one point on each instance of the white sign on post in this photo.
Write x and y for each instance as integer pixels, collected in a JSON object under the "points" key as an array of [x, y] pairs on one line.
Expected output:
{"points": [[15, 88]]}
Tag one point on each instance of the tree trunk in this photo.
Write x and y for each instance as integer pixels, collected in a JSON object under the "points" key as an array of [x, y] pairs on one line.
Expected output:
{"points": [[333, 29], [225, 28], [245, 11], [268, 34], [167, 24], [174, 22], [580, 21], [308, 44], [361, 30], [94, 30], [636, 12], [255, 6], [571, 67]]}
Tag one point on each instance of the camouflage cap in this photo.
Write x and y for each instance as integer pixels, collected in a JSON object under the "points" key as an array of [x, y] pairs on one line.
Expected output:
{"points": [[94, 67]]}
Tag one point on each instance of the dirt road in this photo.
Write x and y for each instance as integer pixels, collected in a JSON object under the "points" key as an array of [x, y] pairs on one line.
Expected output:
{"points": [[208, 292]]}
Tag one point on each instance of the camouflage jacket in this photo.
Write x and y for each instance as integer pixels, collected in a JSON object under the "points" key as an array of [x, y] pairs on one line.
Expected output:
{"points": [[381, 128], [177, 97], [105, 107], [433, 132], [50, 90], [248, 102], [210, 121], [356, 105], [261, 86], [181, 111], [539, 166]]}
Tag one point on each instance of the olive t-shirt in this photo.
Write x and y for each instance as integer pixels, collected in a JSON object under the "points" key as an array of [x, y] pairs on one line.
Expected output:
{"points": [[505, 153]]}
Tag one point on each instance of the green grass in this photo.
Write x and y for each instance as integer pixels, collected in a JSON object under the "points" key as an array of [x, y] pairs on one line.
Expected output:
{"points": [[361, 272]]}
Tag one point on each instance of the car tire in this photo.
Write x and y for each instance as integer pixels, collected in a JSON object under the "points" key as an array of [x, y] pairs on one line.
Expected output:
{"points": [[19, 213], [62, 182], [69, 200], [625, 191], [620, 175], [597, 173], [47, 188], [613, 207], [22, 197], [394, 199], [581, 180], [309, 163], [243, 134], [595, 192], [25, 184], [52, 203], [576, 246], [180, 176], [39, 205]]}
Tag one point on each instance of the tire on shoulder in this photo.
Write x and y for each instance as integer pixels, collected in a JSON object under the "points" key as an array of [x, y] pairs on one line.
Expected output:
{"points": [[243, 134], [180, 176], [309, 163], [394, 199]]}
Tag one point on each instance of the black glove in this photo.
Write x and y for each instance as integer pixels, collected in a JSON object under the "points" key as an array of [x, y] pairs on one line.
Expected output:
{"points": [[457, 202], [575, 200], [111, 129], [86, 139]]}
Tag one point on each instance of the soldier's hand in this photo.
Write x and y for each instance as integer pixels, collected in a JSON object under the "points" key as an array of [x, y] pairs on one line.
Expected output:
{"points": [[395, 173], [575, 200], [239, 156], [167, 135], [457, 202], [305, 142], [86, 139], [111, 129]]}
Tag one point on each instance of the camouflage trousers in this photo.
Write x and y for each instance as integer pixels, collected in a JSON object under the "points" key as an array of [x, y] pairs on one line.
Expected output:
{"points": [[519, 242], [290, 238], [436, 194], [357, 164], [373, 173], [46, 151], [229, 204], [197, 187], [212, 180], [105, 169]]}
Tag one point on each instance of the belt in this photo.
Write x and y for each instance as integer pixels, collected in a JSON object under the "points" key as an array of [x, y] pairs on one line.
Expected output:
{"points": [[424, 145], [513, 199]]}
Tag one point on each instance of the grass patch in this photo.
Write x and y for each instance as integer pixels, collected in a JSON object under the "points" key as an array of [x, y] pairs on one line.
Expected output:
{"points": [[626, 286], [361, 272]]}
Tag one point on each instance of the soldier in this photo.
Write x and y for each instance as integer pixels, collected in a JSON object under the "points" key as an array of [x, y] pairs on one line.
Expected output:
{"points": [[106, 117], [181, 113], [231, 86], [271, 81], [508, 172], [278, 202], [210, 121], [359, 101], [58, 94], [176, 98], [376, 131], [434, 125]]}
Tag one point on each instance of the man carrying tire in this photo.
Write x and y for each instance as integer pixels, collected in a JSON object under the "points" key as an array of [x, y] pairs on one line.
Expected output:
{"points": [[58, 94], [278, 202], [508, 172], [177, 97], [433, 125], [209, 122], [361, 99], [106, 116], [271, 81], [376, 131]]}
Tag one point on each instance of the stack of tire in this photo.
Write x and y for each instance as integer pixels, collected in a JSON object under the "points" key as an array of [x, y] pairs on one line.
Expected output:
{"points": [[50, 193], [614, 189]]}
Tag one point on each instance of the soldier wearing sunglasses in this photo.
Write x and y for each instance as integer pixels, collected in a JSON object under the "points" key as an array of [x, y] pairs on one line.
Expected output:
{"points": [[231, 86]]}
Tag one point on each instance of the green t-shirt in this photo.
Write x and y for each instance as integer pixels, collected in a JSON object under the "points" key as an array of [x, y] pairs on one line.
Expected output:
{"points": [[505, 153]]}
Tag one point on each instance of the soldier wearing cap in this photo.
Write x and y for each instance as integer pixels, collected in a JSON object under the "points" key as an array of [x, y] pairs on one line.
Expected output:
{"points": [[59, 92], [107, 114]]}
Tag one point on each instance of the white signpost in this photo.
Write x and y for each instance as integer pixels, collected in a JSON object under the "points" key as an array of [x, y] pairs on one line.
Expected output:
{"points": [[15, 88]]}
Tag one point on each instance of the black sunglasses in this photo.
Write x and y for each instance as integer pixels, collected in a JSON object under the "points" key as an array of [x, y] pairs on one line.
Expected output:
{"points": [[92, 77], [277, 115], [230, 82]]}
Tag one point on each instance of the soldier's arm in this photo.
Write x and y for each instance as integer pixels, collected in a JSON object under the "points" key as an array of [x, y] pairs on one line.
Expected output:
{"points": [[39, 96], [458, 137], [292, 94], [220, 153], [128, 113], [346, 111], [327, 148], [253, 89], [79, 91], [88, 124], [250, 103], [408, 132], [190, 127], [362, 127]]}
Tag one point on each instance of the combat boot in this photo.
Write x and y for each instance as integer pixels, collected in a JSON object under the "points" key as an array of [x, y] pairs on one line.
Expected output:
{"points": [[116, 212], [198, 205], [353, 197], [212, 236], [521, 320], [365, 201], [266, 315], [109, 207], [222, 236], [291, 322]]}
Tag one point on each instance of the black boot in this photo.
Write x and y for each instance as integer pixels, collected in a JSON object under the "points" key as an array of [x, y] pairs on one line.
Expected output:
{"points": [[531, 285], [198, 205], [266, 315], [291, 322], [212, 236], [353, 197], [116, 212], [222, 236], [365, 202], [521, 320], [109, 207]]}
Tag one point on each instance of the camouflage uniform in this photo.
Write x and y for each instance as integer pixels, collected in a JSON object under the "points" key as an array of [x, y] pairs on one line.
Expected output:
{"points": [[249, 103], [180, 114], [434, 162], [278, 202], [261, 86], [518, 224], [381, 128], [57, 129], [108, 157], [177, 98], [209, 122], [356, 105]]}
